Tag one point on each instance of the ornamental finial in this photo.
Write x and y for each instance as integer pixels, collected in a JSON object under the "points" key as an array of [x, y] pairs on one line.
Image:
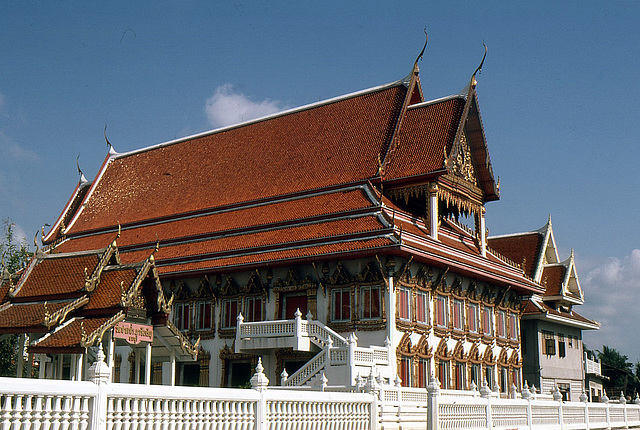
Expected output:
{"points": [[479, 68]]}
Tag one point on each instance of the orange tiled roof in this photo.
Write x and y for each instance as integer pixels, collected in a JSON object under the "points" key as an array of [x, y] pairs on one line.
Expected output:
{"points": [[107, 294], [267, 214], [554, 277], [27, 315], [519, 247], [53, 276], [426, 131], [69, 335], [335, 143]]}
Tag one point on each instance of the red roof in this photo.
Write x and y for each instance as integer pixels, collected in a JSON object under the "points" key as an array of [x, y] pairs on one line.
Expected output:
{"points": [[553, 276], [425, 131], [520, 248], [334, 143], [56, 275], [26, 315], [69, 335]]}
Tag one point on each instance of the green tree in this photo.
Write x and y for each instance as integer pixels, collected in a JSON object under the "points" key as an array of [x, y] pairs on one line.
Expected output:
{"points": [[14, 256], [619, 370]]}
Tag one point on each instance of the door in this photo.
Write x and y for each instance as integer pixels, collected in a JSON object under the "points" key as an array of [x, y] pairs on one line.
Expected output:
{"points": [[292, 303]]}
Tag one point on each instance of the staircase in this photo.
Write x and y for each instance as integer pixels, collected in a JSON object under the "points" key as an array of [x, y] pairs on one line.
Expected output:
{"points": [[308, 335]]}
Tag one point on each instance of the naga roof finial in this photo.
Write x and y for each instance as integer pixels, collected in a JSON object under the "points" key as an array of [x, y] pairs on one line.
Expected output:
{"points": [[83, 179], [479, 68], [426, 40], [109, 145]]}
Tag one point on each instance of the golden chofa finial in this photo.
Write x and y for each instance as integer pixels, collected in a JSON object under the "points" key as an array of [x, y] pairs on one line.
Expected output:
{"points": [[479, 68], [426, 40]]}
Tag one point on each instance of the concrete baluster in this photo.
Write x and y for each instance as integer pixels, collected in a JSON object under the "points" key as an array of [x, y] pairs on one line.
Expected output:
{"points": [[17, 412], [329, 345], [27, 415], [65, 415]]}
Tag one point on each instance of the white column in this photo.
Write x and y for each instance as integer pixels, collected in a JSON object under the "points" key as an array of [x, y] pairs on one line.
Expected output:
{"points": [[483, 233], [60, 359], [79, 361], [137, 372], [173, 368], [112, 351], [391, 324], [147, 366], [433, 210]]}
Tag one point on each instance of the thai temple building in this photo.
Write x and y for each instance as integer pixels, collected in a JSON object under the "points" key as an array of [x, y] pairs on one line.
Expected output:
{"points": [[551, 330], [337, 240]]}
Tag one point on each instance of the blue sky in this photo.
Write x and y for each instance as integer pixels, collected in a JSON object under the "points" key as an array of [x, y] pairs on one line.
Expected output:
{"points": [[559, 98]]}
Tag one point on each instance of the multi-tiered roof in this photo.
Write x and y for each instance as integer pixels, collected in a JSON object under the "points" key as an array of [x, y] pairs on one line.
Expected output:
{"points": [[344, 178]]}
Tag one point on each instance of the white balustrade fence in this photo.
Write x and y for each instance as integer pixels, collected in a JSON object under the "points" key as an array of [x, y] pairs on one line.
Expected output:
{"points": [[35, 404]]}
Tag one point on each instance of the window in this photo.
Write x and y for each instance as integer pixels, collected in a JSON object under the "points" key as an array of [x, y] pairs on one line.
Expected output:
{"points": [[253, 309], [487, 321], [472, 317], [422, 307], [523, 342], [441, 314], [549, 343], [341, 298], [501, 324], [570, 341], [405, 371], [203, 315], [370, 303], [404, 303], [461, 380], [561, 346], [504, 380], [458, 314], [229, 313], [181, 314], [443, 374], [423, 373], [476, 372], [513, 326], [488, 374]]}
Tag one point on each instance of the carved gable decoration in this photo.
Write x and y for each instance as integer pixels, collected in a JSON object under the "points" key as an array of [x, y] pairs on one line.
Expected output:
{"points": [[503, 358], [460, 162], [514, 360], [204, 290], [442, 350], [425, 276], [474, 354], [370, 273], [456, 287], [404, 347], [340, 276], [182, 292], [254, 285], [230, 287], [488, 357], [423, 349], [458, 352]]}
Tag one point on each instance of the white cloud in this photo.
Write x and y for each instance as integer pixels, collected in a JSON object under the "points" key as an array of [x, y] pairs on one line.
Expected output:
{"points": [[228, 106], [15, 151], [612, 297]]}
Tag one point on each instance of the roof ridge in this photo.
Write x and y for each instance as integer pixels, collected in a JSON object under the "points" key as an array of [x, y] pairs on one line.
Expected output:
{"points": [[264, 118]]}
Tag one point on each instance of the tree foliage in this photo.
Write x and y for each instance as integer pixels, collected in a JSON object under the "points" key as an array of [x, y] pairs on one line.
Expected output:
{"points": [[620, 372], [15, 255]]}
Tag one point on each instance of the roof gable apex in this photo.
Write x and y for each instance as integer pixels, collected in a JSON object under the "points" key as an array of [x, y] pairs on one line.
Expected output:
{"points": [[548, 253]]}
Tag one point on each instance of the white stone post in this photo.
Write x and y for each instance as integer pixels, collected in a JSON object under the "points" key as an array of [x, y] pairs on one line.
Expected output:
{"points": [[112, 353], [259, 382], [327, 352], [351, 357], [147, 365], [100, 374], [239, 322], [79, 361], [173, 368], [298, 324], [433, 392], [557, 396]]}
